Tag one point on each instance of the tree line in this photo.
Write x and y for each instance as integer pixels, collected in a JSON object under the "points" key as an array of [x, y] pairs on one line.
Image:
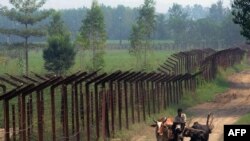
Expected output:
{"points": [[192, 21]]}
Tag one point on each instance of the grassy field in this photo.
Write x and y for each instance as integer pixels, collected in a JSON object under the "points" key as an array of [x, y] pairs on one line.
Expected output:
{"points": [[113, 60]]}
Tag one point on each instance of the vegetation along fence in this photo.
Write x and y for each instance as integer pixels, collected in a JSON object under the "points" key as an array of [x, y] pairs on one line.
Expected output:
{"points": [[90, 106]]}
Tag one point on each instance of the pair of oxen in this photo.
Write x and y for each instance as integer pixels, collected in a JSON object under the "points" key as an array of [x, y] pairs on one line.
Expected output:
{"points": [[167, 130]]}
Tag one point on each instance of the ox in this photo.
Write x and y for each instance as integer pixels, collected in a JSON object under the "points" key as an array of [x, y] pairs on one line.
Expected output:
{"points": [[163, 129], [199, 132]]}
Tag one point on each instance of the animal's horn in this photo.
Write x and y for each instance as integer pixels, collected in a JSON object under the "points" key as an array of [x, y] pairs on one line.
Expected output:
{"points": [[211, 126], [208, 117]]}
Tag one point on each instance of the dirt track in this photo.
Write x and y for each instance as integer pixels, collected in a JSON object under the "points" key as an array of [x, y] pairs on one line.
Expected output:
{"points": [[227, 107]]}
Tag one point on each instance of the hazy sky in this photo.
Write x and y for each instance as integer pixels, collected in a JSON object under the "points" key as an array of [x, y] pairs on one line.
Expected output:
{"points": [[161, 5]]}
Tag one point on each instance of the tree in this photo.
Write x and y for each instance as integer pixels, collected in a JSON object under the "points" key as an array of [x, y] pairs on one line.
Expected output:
{"points": [[161, 25], [230, 31], [241, 14], [217, 12], [73, 20], [26, 13], [177, 23], [59, 56], [142, 32], [196, 11], [93, 35], [206, 31], [136, 44]]}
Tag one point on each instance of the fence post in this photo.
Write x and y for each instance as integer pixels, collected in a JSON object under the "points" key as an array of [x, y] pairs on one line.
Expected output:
{"points": [[6, 120]]}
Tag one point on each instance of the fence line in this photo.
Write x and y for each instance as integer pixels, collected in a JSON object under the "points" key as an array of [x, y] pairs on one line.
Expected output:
{"points": [[90, 106]]}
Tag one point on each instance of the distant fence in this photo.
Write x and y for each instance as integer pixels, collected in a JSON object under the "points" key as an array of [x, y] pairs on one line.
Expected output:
{"points": [[224, 59], [89, 106], [206, 61], [185, 62]]}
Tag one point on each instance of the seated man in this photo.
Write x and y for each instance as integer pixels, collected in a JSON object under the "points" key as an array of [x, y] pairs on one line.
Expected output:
{"points": [[181, 117], [179, 124]]}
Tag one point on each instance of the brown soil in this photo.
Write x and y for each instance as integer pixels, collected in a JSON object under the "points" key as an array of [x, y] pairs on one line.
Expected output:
{"points": [[1, 134]]}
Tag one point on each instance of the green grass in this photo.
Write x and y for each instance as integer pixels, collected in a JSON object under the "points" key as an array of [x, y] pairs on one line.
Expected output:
{"points": [[244, 120], [121, 60], [113, 60], [205, 93]]}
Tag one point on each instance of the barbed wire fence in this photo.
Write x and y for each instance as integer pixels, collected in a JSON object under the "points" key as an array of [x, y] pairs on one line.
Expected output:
{"points": [[94, 105]]}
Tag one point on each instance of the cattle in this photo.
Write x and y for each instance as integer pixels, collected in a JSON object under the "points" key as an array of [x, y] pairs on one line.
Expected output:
{"points": [[163, 129], [199, 132]]}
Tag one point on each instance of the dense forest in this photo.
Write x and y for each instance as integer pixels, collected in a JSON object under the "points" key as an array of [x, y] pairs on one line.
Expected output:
{"points": [[183, 25]]}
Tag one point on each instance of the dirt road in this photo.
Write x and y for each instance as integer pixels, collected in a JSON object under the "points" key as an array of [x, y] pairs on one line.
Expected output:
{"points": [[227, 107]]}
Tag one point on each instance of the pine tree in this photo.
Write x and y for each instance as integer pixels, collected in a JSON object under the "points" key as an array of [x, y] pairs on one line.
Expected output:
{"points": [[93, 35], [241, 13], [60, 54], [25, 12]]}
